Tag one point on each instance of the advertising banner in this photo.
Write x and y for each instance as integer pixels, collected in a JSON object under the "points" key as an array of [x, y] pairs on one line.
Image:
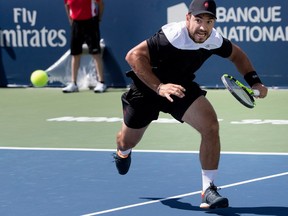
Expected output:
{"points": [[36, 34]]}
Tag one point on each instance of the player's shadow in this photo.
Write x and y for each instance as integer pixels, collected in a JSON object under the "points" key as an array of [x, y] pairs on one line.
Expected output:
{"points": [[230, 211]]}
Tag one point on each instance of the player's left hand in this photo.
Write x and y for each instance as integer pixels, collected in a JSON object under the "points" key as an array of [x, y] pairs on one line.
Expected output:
{"points": [[262, 89]]}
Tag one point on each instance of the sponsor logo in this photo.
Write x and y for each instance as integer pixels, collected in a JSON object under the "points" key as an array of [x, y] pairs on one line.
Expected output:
{"points": [[26, 34], [244, 24]]}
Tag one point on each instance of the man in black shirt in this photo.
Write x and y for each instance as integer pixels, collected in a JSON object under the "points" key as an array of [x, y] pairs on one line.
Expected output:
{"points": [[163, 70]]}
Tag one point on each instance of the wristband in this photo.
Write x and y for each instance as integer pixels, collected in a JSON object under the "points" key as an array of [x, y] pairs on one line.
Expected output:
{"points": [[252, 78], [158, 88]]}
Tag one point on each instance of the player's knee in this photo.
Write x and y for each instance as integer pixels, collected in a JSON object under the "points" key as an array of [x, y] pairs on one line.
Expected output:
{"points": [[212, 129]]}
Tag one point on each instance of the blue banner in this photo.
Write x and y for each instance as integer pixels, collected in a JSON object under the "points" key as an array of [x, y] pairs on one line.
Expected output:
{"points": [[36, 34]]}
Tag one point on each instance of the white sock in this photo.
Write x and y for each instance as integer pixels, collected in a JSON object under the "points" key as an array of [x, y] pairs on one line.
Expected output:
{"points": [[208, 177], [125, 153]]}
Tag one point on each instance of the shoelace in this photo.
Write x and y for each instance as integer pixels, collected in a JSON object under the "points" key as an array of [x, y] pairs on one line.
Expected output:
{"points": [[115, 157], [214, 189]]}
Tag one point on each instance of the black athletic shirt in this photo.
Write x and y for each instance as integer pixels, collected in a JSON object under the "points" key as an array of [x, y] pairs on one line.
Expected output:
{"points": [[175, 57]]}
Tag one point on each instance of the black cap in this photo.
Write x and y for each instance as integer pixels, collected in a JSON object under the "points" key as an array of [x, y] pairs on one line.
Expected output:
{"points": [[203, 6]]}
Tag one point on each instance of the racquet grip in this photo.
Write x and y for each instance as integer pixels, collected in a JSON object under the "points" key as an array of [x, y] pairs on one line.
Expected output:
{"points": [[256, 92]]}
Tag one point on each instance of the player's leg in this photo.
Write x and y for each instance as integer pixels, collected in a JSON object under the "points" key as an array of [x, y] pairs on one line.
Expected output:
{"points": [[202, 116], [138, 113], [126, 139]]}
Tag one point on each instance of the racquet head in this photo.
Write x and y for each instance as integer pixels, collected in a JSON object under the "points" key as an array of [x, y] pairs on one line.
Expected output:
{"points": [[242, 93]]}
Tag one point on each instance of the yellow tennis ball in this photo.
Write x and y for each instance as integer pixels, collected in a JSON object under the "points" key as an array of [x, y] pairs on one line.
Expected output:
{"points": [[39, 78]]}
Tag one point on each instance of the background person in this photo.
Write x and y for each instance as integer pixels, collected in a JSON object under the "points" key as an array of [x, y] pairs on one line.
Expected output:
{"points": [[84, 17]]}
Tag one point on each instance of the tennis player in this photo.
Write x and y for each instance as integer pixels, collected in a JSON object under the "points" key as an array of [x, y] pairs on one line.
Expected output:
{"points": [[163, 68]]}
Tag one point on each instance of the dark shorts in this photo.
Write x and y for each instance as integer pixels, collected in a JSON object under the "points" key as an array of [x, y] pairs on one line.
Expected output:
{"points": [[142, 106], [85, 31]]}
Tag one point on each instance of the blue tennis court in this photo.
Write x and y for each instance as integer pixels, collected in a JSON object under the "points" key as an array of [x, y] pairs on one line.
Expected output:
{"points": [[78, 182]]}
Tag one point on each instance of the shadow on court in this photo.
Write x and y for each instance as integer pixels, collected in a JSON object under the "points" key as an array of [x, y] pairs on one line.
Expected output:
{"points": [[231, 211]]}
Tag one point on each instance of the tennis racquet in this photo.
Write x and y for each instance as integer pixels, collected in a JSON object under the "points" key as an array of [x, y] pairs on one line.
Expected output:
{"points": [[242, 93]]}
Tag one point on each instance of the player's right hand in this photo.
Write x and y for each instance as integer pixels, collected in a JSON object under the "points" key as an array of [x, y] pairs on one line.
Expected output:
{"points": [[166, 90]]}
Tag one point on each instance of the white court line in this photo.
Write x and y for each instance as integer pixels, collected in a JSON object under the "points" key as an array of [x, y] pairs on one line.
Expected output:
{"points": [[183, 195]]}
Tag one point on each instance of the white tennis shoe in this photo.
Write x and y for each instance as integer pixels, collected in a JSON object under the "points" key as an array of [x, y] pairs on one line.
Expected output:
{"points": [[70, 88], [100, 88]]}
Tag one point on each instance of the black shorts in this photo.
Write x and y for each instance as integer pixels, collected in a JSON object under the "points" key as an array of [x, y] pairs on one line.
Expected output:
{"points": [[141, 106], [85, 31]]}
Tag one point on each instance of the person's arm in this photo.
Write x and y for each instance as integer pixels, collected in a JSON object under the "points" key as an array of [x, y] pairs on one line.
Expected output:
{"points": [[245, 67], [101, 9], [67, 9], [139, 60]]}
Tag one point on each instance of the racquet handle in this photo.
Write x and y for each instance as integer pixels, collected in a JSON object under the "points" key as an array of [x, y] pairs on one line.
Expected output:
{"points": [[256, 92]]}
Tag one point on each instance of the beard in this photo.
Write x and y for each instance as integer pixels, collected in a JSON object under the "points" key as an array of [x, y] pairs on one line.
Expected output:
{"points": [[199, 36]]}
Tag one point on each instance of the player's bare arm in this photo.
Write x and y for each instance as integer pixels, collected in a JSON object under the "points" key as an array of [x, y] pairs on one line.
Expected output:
{"points": [[244, 66], [240, 60], [139, 60]]}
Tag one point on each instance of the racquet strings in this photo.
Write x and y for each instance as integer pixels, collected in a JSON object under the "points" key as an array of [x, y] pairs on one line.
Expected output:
{"points": [[240, 92]]}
